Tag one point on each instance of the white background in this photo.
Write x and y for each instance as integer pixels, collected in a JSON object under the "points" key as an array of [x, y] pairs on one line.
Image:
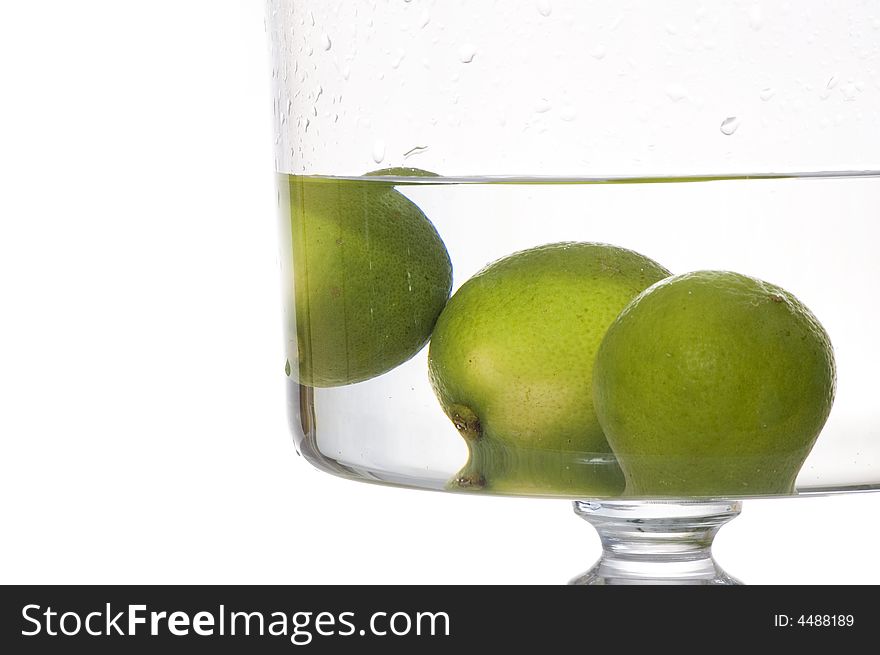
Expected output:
{"points": [[141, 402]]}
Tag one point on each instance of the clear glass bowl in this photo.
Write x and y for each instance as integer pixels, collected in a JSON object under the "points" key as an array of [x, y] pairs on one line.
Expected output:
{"points": [[733, 137]]}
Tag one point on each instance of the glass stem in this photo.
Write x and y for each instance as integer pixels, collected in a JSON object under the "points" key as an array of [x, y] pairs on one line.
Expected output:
{"points": [[656, 542]]}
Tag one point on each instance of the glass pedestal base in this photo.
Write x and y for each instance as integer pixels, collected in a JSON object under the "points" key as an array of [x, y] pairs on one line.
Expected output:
{"points": [[656, 542]]}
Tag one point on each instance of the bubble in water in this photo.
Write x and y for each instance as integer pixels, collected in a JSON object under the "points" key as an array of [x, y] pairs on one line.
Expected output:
{"points": [[676, 92], [378, 151], [729, 125], [544, 7], [466, 53], [326, 43], [599, 51], [767, 94]]}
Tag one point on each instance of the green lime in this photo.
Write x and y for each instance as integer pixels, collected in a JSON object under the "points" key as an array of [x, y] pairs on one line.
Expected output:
{"points": [[371, 275], [401, 171], [713, 384], [511, 362]]}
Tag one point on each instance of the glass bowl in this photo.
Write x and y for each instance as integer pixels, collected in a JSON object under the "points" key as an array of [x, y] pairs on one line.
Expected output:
{"points": [[619, 253]]}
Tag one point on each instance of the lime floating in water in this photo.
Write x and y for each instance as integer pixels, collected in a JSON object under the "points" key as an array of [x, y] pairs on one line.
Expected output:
{"points": [[371, 275]]}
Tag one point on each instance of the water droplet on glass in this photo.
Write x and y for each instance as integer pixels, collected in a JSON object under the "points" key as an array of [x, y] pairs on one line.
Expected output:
{"points": [[599, 51], [676, 92], [568, 113], [417, 150], [542, 106], [829, 87], [346, 72], [544, 7], [287, 368], [326, 43], [425, 19], [756, 17], [466, 53], [729, 125], [767, 94], [849, 91], [378, 151]]}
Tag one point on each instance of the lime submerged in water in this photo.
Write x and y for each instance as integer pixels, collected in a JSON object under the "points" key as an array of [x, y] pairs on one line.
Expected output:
{"points": [[713, 384]]}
